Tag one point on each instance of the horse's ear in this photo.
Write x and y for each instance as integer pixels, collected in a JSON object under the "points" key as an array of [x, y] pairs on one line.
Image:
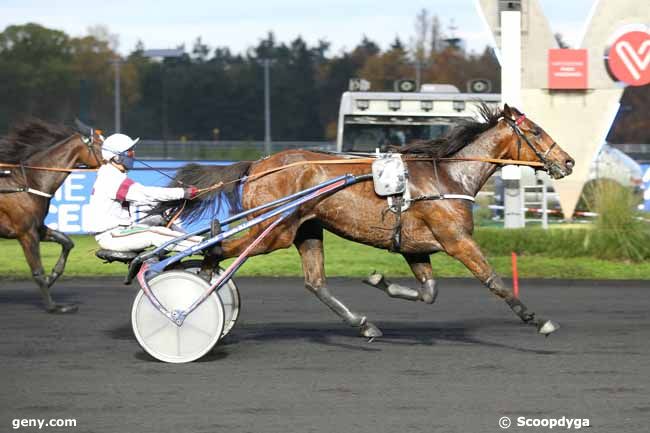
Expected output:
{"points": [[82, 127], [507, 111]]}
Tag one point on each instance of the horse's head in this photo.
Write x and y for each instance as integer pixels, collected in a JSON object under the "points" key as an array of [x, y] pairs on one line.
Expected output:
{"points": [[89, 148], [531, 143], [89, 142]]}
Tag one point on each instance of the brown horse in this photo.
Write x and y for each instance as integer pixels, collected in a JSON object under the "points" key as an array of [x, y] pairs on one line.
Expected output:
{"points": [[356, 213], [41, 156]]}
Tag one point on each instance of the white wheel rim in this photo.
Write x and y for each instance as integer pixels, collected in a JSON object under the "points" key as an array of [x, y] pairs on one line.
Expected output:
{"points": [[161, 338], [229, 295]]}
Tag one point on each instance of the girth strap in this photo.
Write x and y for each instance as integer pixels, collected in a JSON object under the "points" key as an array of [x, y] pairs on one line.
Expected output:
{"points": [[24, 189]]}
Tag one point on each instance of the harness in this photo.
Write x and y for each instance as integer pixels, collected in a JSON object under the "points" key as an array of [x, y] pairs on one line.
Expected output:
{"points": [[88, 141], [514, 124], [400, 200]]}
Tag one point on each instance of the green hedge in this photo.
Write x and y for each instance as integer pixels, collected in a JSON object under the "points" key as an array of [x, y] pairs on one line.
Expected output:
{"points": [[580, 242]]}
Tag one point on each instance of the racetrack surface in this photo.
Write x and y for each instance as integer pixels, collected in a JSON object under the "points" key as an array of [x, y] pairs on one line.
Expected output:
{"points": [[290, 365]]}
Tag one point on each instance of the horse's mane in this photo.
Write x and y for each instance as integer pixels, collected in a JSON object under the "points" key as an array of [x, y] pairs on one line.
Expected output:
{"points": [[207, 176], [460, 136], [29, 137]]}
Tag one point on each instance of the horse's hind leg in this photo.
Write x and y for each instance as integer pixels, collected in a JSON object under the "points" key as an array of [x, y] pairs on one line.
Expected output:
{"points": [[421, 267], [30, 243], [50, 235], [309, 242], [467, 251]]}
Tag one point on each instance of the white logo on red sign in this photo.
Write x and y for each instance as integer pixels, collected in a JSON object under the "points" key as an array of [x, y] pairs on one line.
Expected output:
{"points": [[629, 58]]}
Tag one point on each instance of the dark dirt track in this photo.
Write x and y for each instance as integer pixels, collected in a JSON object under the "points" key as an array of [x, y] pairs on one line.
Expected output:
{"points": [[291, 366]]}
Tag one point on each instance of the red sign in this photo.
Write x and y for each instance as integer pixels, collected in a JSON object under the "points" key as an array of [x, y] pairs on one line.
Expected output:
{"points": [[567, 69], [629, 58]]}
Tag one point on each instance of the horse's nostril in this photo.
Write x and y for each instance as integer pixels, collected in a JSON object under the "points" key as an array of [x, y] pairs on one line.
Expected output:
{"points": [[569, 163]]}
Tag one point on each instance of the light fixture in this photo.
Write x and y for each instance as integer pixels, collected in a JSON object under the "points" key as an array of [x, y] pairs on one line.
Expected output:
{"points": [[363, 104], [394, 104], [459, 105], [426, 105]]}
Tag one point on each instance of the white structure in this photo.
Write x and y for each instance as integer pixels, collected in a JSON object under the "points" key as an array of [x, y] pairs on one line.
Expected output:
{"points": [[370, 120], [579, 119], [513, 214]]}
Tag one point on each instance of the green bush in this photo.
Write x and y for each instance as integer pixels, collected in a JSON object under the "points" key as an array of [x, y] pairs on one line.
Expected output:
{"points": [[617, 234], [534, 241]]}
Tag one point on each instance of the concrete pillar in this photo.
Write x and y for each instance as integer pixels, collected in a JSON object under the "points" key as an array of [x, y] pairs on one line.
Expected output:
{"points": [[511, 94]]}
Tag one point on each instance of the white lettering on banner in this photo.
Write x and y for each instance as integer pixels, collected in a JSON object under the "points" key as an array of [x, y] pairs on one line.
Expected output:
{"points": [[69, 187], [68, 214]]}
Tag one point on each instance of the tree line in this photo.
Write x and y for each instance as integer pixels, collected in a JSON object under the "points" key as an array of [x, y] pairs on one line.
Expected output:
{"points": [[212, 93]]}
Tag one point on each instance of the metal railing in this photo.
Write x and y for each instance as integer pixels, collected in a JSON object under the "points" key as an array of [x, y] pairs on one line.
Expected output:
{"points": [[542, 204]]}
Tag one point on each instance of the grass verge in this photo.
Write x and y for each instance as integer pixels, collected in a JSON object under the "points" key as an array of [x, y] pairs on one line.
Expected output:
{"points": [[344, 258]]}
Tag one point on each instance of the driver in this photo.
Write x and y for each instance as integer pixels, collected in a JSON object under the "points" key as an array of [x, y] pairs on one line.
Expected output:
{"points": [[115, 197]]}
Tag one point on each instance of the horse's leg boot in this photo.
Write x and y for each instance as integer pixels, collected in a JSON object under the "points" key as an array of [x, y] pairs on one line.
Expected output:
{"points": [[393, 290], [369, 330], [429, 291]]}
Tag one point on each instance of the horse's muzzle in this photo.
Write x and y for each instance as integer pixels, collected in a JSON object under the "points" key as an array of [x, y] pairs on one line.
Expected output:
{"points": [[558, 171]]}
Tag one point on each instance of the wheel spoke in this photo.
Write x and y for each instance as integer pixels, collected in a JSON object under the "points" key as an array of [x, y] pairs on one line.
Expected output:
{"points": [[197, 329], [178, 340], [157, 330]]}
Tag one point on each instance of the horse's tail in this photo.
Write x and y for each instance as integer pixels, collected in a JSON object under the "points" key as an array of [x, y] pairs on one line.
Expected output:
{"points": [[209, 202]]}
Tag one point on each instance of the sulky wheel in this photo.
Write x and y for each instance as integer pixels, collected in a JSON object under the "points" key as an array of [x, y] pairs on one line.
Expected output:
{"points": [[162, 339], [229, 294]]}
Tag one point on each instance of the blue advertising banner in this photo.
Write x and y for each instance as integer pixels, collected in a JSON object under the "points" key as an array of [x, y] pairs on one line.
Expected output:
{"points": [[646, 186], [67, 211]]}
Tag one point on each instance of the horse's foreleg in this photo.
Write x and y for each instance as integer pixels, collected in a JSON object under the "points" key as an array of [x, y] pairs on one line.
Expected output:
{"points": [[421, 267], [309, 242], [49, 235], [468, 252], [30, 243]]}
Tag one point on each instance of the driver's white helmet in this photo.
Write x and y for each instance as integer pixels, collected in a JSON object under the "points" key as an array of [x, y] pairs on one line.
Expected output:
{"points": [[117, 144]]}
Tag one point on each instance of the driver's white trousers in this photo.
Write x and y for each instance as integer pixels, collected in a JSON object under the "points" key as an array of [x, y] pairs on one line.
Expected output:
{"points": [[138, 238]]}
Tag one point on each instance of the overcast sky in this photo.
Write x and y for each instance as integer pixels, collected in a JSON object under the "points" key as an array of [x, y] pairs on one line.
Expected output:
{"points": [[241, 24]]}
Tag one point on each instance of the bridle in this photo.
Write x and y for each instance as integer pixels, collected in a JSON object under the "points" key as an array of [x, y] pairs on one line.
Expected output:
{"points": [[89, 141], [514, 124]]}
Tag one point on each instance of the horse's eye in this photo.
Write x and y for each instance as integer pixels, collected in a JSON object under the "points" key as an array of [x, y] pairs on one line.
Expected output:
{"points": [[537, 132]]}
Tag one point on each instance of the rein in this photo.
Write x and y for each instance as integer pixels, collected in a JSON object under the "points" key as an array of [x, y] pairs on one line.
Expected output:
{"points": [[36, 167], [370, 160], [87, 141], [514, 124]]}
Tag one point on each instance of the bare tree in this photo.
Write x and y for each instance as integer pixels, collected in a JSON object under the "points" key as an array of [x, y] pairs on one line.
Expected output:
{"points": [[436, 36], [418, 44], [102, 33]]}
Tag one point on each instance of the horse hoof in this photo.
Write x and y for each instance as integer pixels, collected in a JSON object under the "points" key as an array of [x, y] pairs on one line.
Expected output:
{"points": [[429, 292], [370, 331], [548, 327], [63, 309]]}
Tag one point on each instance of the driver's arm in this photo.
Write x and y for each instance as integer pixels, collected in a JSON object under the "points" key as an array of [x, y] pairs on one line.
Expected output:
{"points": [[138, 194]]}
